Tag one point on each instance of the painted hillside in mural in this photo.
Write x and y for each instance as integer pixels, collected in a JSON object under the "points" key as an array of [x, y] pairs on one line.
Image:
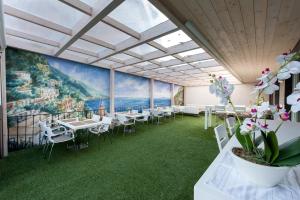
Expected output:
{"points": [[42, 84], [178, 95], [131, 92], [162, 94]]}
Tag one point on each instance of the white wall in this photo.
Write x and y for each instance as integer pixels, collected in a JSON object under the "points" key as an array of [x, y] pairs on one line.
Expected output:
{"points": [[199, 95]]}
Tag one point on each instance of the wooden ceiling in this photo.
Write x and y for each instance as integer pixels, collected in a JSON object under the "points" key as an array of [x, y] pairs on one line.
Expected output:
{"points": [[248, 34]]}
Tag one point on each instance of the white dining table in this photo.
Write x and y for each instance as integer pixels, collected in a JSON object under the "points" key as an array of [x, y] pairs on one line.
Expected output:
{"points": [[211, 187], [75, 124], [131, 115]]}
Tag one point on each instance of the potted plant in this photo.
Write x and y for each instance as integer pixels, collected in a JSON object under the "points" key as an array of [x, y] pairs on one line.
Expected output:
{"points": [[259, 157]]}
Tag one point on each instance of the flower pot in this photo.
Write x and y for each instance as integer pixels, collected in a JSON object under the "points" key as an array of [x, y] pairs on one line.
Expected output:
{"points": [[261, 175]]}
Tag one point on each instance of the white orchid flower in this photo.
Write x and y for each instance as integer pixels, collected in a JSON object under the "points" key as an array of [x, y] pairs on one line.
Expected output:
{"points": [[281, 59], [262, 109], [294, 99], [292, 67], [267, 82], [249, 126], [221, 88]]}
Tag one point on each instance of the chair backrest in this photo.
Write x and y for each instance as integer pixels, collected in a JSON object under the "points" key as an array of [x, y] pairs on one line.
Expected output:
{"points": [[96, 118], [106, 120], [43, 126], [49, 134], [219, 108], [134, 111], [240, 108], [221, 136], [122, 118], [231, 121], [156, 112]]}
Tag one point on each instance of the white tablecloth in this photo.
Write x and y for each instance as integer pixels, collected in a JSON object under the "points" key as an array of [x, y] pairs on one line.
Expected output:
{"points": [[227, 179]]}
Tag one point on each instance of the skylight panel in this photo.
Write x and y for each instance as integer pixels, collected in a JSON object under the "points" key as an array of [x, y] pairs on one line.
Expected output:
{"points": [[32, 29], [76, 55], [88, 46], [143, 64], [191, 52], [107, 34], [166, 58], [51, 10], [122, 56], [143, 49], [138, 15], [173, 39]]}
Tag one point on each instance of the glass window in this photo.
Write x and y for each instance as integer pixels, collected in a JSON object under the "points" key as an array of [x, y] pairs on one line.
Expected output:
{"points": [[75, 55], [166, 58], [32, 29], [122, 56], [107, 34], [138, 15], [173, 39], [51, 10], [143, 49], [36, 45], [191, 52], [88, 46]]}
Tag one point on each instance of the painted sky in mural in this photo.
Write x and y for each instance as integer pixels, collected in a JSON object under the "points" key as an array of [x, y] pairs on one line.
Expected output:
{"points": [[162, 93], [162, 90], [131, 92], [127, 85], [94, 77]]}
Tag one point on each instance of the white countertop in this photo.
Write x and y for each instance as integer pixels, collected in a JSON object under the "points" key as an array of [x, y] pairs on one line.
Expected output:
{"points": [[205, 191]]}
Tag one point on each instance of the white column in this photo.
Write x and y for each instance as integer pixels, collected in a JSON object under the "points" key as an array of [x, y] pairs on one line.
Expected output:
{"points": [[295, 81], [281, 93], [172, 95], [4, 137], [151, 93], [112, 91]]}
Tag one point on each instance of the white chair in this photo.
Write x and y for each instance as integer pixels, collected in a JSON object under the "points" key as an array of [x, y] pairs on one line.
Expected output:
{"points": [[126, 123], [53, 139], [103, 128], [96, 118], [57, 130], [221, 136], [145, 118], [168, 113], [135, 111], [231, 121], [157, 114]]}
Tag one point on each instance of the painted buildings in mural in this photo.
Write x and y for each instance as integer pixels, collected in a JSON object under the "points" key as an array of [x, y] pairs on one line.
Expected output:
{"points": [[38, 83], [178, 95]]}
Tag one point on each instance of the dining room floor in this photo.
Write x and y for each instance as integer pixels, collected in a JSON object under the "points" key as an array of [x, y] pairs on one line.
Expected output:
{"points": [[158, 162]]}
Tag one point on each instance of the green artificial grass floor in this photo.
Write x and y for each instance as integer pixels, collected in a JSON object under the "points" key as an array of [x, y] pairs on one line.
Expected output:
{"points": [[157, 162]]}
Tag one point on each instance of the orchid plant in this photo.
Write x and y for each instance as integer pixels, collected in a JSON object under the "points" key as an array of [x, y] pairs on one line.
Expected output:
{"points": [[255, 130]]}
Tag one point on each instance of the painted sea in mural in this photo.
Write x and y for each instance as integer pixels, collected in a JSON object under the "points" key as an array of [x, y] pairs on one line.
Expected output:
{"points": [[131, 92], [162, 94]]}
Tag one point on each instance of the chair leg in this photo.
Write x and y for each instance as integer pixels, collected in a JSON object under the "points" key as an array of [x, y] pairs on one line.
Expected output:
{"points": [[50, 151], [109, 137], [44, 148]]}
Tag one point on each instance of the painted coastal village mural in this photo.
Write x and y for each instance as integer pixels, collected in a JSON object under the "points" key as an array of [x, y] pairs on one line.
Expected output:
{"points": [[41, 86], [37, 83]]}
